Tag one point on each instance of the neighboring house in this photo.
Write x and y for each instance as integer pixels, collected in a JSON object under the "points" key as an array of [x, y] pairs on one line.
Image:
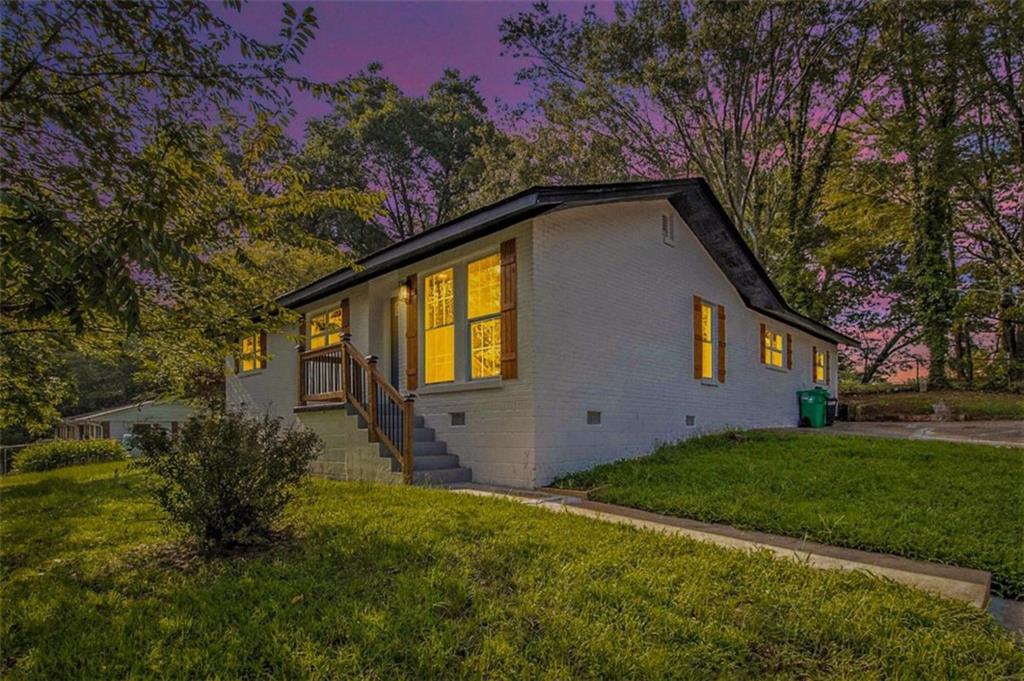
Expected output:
{"points": [[115, 422], [557, 329]]}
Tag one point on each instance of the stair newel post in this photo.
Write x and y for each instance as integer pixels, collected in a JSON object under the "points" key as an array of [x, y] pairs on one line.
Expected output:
{"points": [[345, 338], [408, 426], [371, 397]]}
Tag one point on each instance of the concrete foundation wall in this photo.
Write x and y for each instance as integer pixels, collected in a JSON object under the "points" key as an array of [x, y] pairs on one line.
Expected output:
{"points": [[346, 454]]}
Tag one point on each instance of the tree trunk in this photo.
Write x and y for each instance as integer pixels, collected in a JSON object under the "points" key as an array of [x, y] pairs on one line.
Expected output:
{"points": [[933, 223], [1011, 336]]}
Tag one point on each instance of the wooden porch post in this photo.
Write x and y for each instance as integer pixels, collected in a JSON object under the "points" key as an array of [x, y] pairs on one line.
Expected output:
{"points": [[371, 397], [408, 425], [345, 339]]}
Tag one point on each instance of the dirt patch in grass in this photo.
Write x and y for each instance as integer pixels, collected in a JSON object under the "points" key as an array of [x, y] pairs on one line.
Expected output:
{"points": [[948, 405], [188, 555]]}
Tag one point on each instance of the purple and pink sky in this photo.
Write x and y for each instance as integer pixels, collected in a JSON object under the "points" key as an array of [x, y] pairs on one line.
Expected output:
{"points": [[415, 41]]}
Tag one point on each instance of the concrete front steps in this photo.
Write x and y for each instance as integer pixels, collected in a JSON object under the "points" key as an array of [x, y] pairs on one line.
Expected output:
{"points": [[431, 462], [349, 455]]}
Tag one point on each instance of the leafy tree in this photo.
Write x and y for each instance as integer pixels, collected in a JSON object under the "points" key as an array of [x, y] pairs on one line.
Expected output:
{"points": [[992, 194], [133, 176], [751, 96], [869, 152], [420, 152], [920, 105]]}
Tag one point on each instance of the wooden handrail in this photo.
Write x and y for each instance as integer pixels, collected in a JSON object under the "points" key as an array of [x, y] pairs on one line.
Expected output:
{"points": [[389, 415], [327, 350]]}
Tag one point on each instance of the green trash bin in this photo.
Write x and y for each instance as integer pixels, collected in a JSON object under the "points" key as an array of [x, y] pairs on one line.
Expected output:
{"points": [[812, 407]]}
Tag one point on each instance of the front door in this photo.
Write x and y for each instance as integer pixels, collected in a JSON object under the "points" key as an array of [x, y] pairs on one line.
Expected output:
{"points": [[393, 344]]}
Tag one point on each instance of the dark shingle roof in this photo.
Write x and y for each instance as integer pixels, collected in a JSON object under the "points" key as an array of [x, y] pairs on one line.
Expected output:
{"points": [[692, 199]]}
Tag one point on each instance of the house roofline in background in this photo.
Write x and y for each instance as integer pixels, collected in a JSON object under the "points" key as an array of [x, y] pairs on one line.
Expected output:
{"points": [[691, 197], [89, 416]]}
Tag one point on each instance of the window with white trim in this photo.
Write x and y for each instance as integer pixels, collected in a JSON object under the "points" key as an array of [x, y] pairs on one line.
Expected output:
{"points": [[707, 341], [773, 348], [251, 350], [325, 328], [820, 366], [439, 326], [483, 313]]}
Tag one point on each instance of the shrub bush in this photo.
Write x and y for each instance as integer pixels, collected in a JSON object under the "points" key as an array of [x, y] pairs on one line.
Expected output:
{"points": [[227, 477], [60, 453]]}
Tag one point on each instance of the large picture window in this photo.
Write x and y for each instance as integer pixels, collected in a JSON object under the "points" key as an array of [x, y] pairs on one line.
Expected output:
{"points": [[484, 316], [439, 326], [707, 325], [773, 348], [325, 328]]}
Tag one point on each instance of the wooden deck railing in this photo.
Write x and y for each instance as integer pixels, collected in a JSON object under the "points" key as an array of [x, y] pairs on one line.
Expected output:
{"points": [[342, 373]]}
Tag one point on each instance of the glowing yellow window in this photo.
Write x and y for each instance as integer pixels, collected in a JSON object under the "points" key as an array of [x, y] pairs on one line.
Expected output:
{"points": [[819, 367], [325, 329], [250, 351], [439, 327], [707, 354], [484, 316], [773, 348]]}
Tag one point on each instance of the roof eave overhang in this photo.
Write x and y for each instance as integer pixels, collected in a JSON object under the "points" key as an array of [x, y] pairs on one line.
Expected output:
{"points": [[706, 218], [487, 220], [692, 199]]}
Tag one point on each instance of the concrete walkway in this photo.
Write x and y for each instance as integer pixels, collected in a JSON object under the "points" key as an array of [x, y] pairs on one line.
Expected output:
{"points": [[971, 586], [999, 433]]}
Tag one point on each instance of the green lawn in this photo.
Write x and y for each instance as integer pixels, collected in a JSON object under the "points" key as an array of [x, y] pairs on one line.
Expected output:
{"points": [[395, 582], [947, 502], [961, 405]]}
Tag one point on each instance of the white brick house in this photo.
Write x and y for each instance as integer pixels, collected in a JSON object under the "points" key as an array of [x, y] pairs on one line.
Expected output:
{"points": [[557, 329]]}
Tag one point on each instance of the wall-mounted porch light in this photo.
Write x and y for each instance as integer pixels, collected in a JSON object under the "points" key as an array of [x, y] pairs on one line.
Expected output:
{"points": [[405, 291]]}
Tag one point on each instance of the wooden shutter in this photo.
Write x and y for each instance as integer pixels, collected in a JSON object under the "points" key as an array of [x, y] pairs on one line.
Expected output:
{"points": [[411, 343], [789, 351], [238, 348], [814, 363], [261, 350], [721, 344], [106, 429], [346, 325], [174, 427], [764, 351], [698, 339], [828, 368], [509, 314]]}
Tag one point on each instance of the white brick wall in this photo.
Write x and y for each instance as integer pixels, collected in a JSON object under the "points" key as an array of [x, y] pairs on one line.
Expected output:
{"points": [[272, 390], [497, 442], [614, 314], [605, 324]]}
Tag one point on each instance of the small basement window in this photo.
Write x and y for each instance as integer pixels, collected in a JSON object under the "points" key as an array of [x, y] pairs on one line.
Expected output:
{"points": [[593, 418], [458, 418]]}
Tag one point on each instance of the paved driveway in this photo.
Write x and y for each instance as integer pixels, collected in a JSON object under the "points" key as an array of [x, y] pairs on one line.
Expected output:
{"points": [[978, 432]]}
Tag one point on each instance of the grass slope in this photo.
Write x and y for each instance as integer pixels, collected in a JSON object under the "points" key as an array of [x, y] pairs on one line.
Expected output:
{"points": [[392, 582], [911, 406], [947, 502]]}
